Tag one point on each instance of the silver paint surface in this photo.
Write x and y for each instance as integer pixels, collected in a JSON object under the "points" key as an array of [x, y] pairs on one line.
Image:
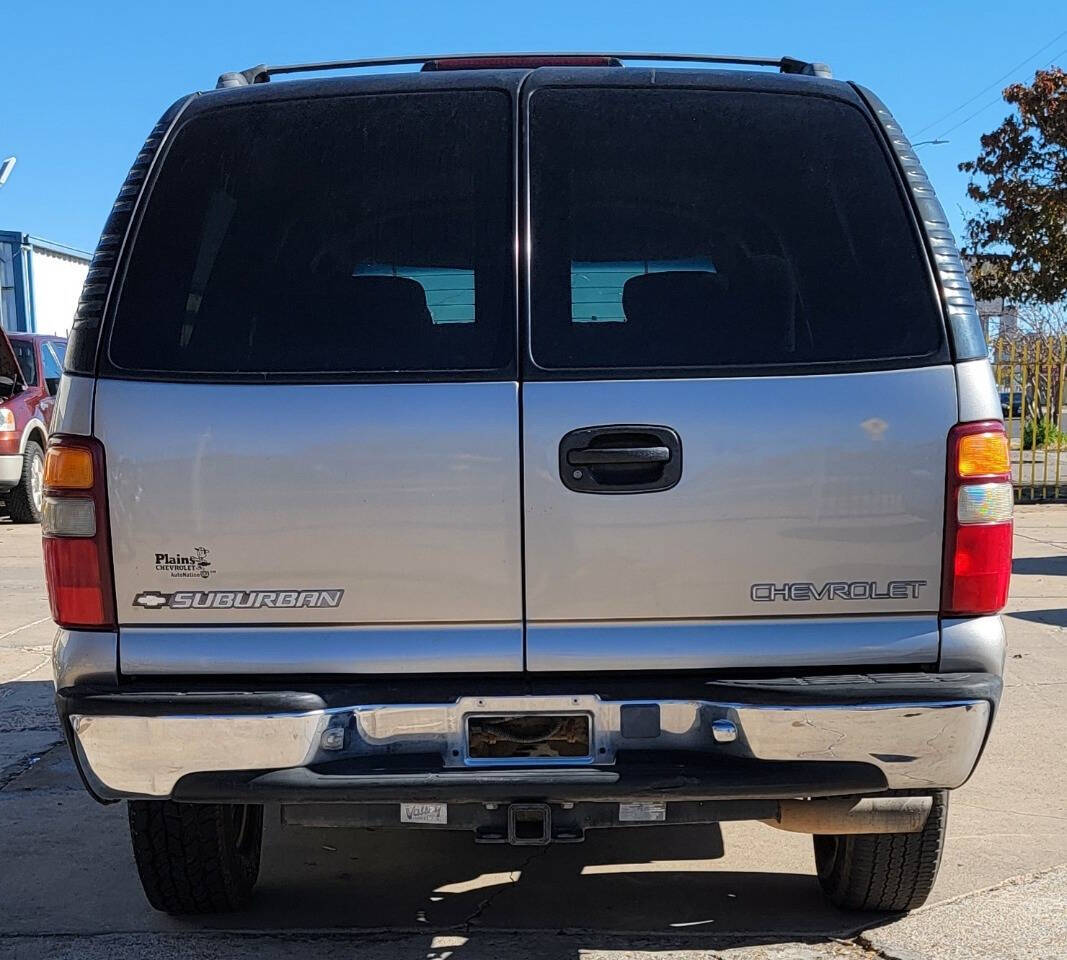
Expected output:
{"points": [[406, 496], [396, 649], [973, 645], [978, 395], [73, 410], [917, 745], [784, 479], [709, 644], [85, 656]]}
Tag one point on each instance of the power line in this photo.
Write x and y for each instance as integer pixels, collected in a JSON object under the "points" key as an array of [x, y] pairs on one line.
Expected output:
{"points": [[984, 90], [992, 103]]}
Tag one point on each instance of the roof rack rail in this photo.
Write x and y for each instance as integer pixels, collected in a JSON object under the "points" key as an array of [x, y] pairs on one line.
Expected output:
{"points": [[263, 72]]}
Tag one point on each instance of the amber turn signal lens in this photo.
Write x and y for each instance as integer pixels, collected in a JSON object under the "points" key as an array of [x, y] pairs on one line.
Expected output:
{"points": [[68, 468], [983, 455]]}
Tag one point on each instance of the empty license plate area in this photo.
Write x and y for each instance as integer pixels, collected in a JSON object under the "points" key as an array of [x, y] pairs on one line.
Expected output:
{"points": [[529, 737]]}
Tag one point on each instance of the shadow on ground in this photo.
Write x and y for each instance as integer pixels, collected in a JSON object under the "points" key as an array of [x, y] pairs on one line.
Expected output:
{"points": [[1040, 566], [649, 888], [1053, 617]]}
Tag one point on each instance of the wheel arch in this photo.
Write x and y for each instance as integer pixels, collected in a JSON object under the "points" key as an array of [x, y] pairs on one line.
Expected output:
{"points": [[34, 430]]}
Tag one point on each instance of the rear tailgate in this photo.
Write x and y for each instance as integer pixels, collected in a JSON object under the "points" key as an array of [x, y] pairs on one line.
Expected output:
{"points": [[738, 270], [309, 405]]}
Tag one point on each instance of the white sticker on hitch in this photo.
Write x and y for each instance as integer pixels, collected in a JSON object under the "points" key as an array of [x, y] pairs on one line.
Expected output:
{"points": [[650, 812], [424, 813]]}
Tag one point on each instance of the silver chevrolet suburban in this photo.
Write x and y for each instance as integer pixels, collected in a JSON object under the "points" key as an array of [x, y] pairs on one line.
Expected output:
{"points": [[527, 445]]}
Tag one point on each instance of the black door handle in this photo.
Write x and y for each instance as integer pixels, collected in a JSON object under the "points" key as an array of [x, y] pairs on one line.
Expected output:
{"points": [[620, 458], [596, 455]]}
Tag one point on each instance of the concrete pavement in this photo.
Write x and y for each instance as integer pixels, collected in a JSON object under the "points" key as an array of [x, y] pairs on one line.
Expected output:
{"points": [[68, 887]]}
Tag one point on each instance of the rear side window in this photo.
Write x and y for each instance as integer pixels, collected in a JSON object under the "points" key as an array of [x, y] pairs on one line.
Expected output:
{"points": [[53, 368], [358, 235], [703, 229]]}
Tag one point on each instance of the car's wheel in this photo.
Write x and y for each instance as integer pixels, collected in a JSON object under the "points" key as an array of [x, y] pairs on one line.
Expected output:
{"points": [[883, 871], [196, 857], [25, 501]]}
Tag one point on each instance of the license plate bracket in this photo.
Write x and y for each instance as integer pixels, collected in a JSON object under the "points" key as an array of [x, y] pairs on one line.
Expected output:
{"points": [[529, 737]]}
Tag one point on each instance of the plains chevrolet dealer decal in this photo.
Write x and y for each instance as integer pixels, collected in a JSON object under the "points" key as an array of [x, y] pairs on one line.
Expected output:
{"points": [[194, 563], [238, 599]]}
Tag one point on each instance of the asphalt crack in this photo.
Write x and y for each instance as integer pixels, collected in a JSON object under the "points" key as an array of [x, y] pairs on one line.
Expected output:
{"points": [[13, 771], [485, 904], [864, 944]]}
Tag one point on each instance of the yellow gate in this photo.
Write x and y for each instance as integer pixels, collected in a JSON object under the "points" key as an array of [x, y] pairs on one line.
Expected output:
{"points": [[1030, 376]]}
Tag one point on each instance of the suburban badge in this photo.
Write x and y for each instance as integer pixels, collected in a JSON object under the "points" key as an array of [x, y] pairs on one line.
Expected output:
{"points": [[238, 599]]}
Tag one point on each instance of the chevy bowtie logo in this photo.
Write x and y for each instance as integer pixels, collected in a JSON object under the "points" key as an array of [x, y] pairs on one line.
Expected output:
{"points": [[151, 600]]}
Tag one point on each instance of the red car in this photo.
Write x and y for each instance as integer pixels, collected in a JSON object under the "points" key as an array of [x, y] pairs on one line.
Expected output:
{"points": [[30, 367]]}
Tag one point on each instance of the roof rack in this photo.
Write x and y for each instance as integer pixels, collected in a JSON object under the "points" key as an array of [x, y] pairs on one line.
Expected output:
{"points": [[263, 72]]}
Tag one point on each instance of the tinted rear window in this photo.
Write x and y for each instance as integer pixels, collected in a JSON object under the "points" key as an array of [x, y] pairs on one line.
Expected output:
{"points": [[366, 234], [680, 228]]}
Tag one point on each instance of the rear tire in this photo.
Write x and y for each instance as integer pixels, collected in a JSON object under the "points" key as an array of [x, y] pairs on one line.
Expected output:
{"points": [[196, 857], [24, 501], [890, 872]]}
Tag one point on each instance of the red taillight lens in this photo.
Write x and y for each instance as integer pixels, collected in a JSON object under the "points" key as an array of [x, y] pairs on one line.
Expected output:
{"points": [[75, 589], [981, 569], [77, 552], [978, 524]]}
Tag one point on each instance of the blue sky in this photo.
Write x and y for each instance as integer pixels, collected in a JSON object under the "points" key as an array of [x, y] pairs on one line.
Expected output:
{"points": [[84, 82]]}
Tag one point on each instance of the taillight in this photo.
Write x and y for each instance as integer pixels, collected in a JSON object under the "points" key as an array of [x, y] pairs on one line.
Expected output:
{"points": [[978, 524], [77, 551]]}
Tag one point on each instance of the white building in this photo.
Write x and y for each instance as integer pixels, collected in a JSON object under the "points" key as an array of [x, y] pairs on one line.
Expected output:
{"points": [[40, 283]]}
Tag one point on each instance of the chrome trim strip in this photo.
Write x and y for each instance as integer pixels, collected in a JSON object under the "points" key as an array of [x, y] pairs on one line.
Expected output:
{"points": [[146, 756], [399, 648], [916, 745], [84, 656], [785, 642], [922, 746]]}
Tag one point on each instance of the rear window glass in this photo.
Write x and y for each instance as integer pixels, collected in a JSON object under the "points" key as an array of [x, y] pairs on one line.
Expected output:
{"points": [[694, 229], [366, 234], [27, 359]]}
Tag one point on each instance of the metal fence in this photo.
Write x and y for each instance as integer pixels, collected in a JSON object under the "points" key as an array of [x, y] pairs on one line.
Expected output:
{"points": [[1030, 377]]}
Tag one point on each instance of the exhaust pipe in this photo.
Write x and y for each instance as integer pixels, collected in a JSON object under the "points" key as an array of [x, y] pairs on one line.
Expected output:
{"points": [[853, 815]]}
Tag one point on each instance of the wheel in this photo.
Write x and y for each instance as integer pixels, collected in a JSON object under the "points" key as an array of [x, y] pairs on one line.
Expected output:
{"points": [[196, 857], [883, 871], [24, 502]]}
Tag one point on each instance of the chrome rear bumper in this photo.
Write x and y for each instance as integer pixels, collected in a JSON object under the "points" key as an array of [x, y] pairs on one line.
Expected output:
{"points": [[920, 743]]}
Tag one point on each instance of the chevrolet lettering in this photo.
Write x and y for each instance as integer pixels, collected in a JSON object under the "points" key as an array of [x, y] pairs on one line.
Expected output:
{"points": [[838, 590]]}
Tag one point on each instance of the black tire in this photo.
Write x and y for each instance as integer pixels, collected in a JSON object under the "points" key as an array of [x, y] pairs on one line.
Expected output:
{"points": [[22, 504], [196, 857], [890, 872]]}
